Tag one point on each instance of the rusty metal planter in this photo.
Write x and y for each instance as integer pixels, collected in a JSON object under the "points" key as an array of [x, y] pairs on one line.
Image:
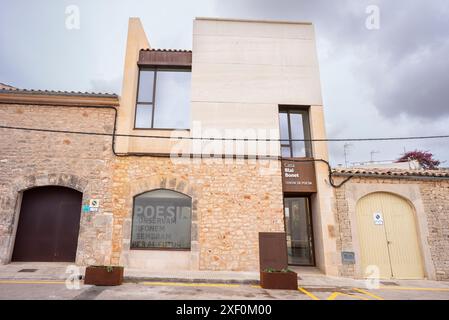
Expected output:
{"points": [[103, 275], [279, 280]]}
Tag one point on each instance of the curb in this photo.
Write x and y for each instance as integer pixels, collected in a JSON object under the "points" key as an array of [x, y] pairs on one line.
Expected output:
{"points": [[136, 279], [188, 280]]}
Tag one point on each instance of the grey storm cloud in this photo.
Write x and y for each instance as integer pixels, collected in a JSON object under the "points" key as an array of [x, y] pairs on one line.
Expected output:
{"points": [[415, 76], [406, 60], [416, 85]]}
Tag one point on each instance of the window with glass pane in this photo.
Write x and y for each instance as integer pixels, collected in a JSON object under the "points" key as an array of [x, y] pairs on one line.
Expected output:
{"points": [[294, 125], [161, 219], [298, 227], [163, 99], [172, 100], [143, 115]]}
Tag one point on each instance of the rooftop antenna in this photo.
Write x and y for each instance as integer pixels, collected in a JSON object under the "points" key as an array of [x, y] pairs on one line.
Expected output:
{"points": [[345, 152], [372, 155]]}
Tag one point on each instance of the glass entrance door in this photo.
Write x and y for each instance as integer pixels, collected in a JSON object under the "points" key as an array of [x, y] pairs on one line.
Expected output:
{"points": [[298, 227]]}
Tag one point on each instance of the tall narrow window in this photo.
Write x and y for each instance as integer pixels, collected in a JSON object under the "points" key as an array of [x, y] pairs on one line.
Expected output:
{"points": [[145, 95], [294, 125], [163, 99]]}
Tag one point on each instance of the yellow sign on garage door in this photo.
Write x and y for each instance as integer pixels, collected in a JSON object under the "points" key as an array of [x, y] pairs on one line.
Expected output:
{"points": [[388, 236]]}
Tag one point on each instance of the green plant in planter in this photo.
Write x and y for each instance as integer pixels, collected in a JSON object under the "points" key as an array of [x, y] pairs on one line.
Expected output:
{"points": [[271, 270], [108, 268]]}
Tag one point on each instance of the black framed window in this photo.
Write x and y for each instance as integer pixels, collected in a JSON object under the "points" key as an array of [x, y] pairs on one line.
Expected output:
{"points": [[294, 124], [163, 99], [161, 220]]}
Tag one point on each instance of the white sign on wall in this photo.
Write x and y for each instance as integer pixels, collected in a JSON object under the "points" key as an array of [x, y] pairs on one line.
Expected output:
{"points": [[378, 219], [94, 203]]}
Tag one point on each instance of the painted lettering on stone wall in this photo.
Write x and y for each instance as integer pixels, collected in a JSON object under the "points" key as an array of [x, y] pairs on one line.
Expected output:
{"points": [[161, 223]]}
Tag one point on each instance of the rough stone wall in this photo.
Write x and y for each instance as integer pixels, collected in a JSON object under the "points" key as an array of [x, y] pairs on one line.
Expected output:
{"points": [[343, 226], [435, 198], [29, 159], [231, 204]]}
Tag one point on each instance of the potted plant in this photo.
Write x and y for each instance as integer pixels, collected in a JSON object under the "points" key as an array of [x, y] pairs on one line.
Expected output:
{"points": [[279, 279], [104, 275]]}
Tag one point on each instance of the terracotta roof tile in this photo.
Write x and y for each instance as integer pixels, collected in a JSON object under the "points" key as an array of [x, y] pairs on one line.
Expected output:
{"points": [[4, 86], [55, 92], [390, 172], [166, 50]]}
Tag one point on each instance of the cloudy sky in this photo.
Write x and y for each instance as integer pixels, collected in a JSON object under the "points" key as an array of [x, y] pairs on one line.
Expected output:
{"points": [[391, 81]]}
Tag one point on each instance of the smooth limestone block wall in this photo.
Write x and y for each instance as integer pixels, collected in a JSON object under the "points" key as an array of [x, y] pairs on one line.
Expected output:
{"points": [[82, 162], [231, 204]]}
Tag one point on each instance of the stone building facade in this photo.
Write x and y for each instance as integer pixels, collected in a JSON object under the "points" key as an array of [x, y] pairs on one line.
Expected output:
{"points": [[118, 153], [229, 209], [233, 95], [31, 159], [223, 238], [427, 192], [233, 197]]}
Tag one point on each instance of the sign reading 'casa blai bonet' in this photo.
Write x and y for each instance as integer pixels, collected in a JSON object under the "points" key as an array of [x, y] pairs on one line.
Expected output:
{"points": [[298, 176]]}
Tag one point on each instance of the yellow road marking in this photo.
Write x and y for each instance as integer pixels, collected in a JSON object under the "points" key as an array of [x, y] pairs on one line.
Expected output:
{"points": [[30, 282], [190, 284], [332, 296], [310, 295], [336, 294], [368, 293], [414, 289]]}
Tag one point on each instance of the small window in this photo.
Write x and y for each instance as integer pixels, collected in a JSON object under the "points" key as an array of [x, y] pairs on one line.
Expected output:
{"points": [[163, 99], [294, 125], [161, 220]]}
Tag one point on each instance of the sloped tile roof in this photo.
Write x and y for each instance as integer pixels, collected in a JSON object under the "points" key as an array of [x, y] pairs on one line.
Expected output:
{"points": [[4, 86], [55, 92], [166, 50], [392, 172]]}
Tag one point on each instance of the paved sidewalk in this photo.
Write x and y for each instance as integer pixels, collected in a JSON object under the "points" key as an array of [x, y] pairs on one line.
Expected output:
{"points": [[35, 271], [57, 271], [309, 277]]}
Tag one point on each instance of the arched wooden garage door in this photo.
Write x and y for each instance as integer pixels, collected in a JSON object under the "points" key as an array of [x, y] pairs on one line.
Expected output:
{"points": [[388, 236], [48, 225]]}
